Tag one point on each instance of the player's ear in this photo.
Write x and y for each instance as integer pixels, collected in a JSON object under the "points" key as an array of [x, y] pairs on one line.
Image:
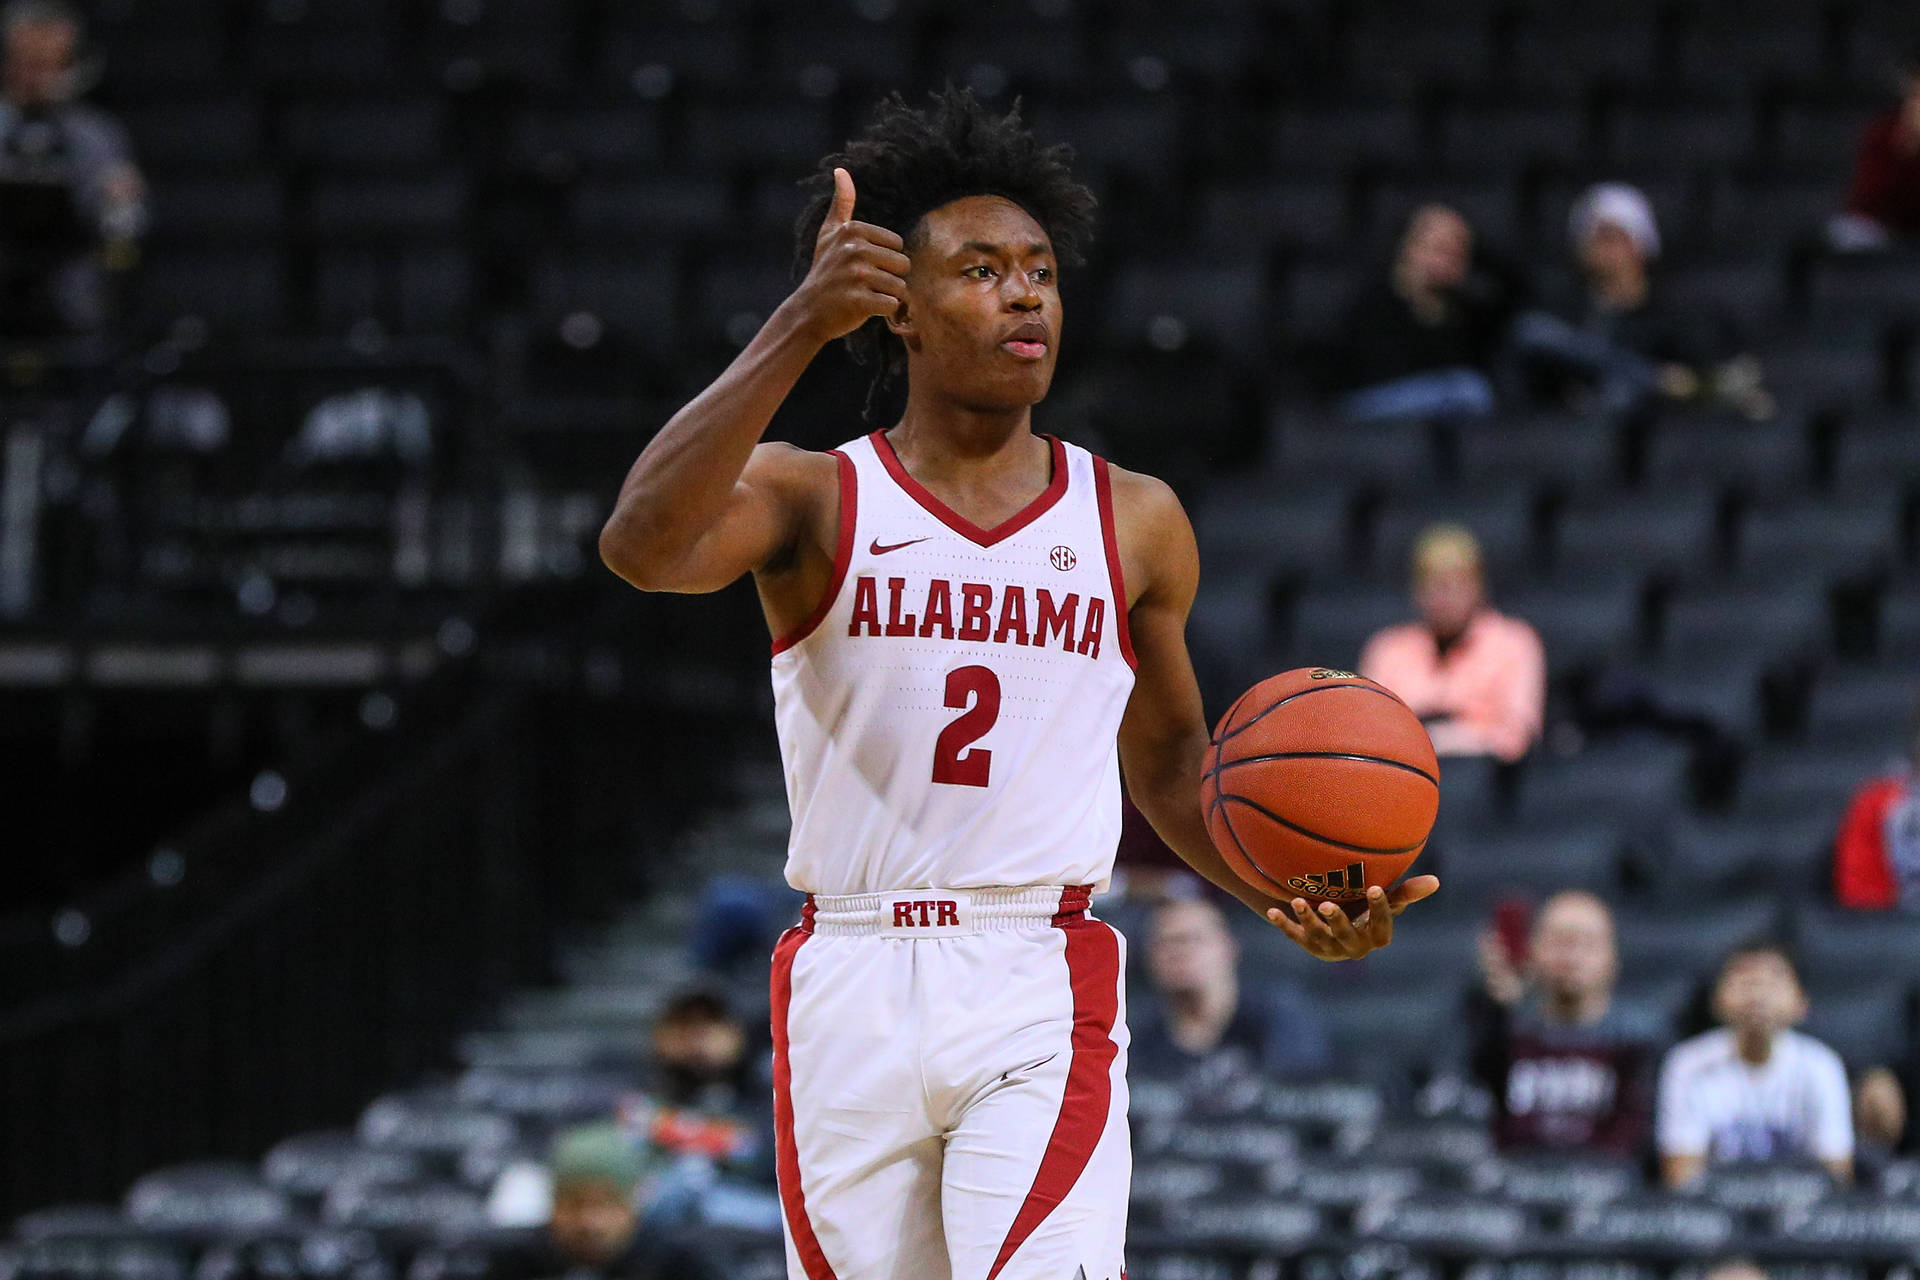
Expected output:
{"points": [[901, 324]]}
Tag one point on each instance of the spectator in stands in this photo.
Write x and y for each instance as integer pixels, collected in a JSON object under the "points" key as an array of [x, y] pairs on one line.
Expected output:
{"points": [[72, 204], [1569, 1067], [1477, 677], [1876, 853], [1754, 1089], [600, 1176], [1617, 344], [1883, 203], [1421, 341], [1196, 1028]]}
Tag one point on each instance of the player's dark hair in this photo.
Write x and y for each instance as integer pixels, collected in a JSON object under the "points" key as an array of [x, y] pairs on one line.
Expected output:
{"points": [[910, 162]]}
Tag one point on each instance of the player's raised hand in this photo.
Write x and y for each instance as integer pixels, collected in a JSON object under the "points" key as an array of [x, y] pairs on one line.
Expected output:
{"points": [[1329, 934], [859, 270]]}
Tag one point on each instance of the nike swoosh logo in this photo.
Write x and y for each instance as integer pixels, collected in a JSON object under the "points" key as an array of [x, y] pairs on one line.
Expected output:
{"points": [[877, 550]]}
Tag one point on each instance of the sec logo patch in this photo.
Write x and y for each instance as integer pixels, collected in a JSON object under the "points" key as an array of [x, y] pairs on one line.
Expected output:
{"points": [[1062, 558]]}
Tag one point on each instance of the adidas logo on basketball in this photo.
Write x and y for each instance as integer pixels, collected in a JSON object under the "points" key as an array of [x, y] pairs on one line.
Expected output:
{"points": [[1348, 882]]}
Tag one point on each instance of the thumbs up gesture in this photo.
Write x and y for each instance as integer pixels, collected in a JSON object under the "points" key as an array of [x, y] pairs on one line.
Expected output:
{"points": [[859, 270]]}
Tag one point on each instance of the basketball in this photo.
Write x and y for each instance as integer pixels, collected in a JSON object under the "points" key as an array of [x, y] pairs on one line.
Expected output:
{"points": [[1320, 783]]}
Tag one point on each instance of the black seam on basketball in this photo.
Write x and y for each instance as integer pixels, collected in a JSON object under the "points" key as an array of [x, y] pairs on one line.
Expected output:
{"points": [[1220, 803], [1297, 829], [1325, 755], [1301, 693]]}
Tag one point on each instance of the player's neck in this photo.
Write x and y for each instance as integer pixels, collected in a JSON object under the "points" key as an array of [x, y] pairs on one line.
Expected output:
{"points": [[943, 439], [1578, 1008]]}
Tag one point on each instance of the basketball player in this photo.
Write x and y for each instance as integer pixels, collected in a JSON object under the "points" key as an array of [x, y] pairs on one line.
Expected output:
{"points": [[976, 627]]}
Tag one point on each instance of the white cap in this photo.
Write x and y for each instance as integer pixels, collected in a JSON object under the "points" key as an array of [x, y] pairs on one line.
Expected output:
{"points": [[1619, 204]]}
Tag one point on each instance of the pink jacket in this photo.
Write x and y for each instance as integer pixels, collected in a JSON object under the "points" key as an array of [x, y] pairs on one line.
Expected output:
{"points": [[1486, 696]]}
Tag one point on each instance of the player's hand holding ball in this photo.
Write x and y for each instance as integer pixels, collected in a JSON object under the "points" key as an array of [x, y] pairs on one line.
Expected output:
{"points": [[1320, 789], [859, 270]]}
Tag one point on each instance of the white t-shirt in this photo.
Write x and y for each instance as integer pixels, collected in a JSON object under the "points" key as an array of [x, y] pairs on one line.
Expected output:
{"points": [[1715, 1104]]}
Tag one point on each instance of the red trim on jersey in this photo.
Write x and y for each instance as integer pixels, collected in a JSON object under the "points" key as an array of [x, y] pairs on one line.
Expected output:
{"points": [[1056, 488], [1103, 490], [842, 557], [1093, 967], [793, 1201]]}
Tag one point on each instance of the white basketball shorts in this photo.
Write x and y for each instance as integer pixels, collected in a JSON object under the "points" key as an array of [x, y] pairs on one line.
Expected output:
{"points": [[950, 1089]]}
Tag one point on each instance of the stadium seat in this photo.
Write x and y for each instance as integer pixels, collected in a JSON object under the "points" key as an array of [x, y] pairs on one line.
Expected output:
{"points": [[431, 1123], [1723, 690], [638, 51], [1856, 537], [1390, 457], [1849, 293], [198, 135], [1898, 636], [88, 1221], [1499, 136], [1717, 854], [1568, 455], [407, 1212], [1734, 53], [430, 208], [1331, 626], [1168, 303], [1809, 780], [1502, 518], [207, 1200], [225, 210], [1760, 621], [631, 294], [1244, 1223], [1293, 212], [1346, 1183], [236, 291], [1665, 134], [1580, 619], [1489, 205], [1453, 1224], [1537, 859], [751, 137], [1691, 935], [1314, 299], [1747, 291], [1342, 137], [1393, 59], [308, 1165], [659, 206], [548, 1097], [357, 134], [80, 1258], [1860, 1227], [1839, 946], [1747, 1188], [614, 138], [1159, 1182], [1875, 454], [1249, 529], [1630, 780], [1757, 459], [1557, 1181], [1868, 1023], [1868, 705], [1669, 531], [1145, 138], [1568, 52], [1650, 1221]]}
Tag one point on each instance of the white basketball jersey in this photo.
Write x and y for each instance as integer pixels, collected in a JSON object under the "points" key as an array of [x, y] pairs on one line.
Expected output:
{"points": [[948, 717]]}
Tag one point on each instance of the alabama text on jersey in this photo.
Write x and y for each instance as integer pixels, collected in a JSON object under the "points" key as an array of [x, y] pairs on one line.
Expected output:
{"points": [[949, 714]]}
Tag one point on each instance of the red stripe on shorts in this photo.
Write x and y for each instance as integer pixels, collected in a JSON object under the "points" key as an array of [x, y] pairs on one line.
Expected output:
{"points": [[793, 1201], [1093, 967]]}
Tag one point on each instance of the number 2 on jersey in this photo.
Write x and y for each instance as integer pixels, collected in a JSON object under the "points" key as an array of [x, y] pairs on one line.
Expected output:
{"points": [[955, 759]]}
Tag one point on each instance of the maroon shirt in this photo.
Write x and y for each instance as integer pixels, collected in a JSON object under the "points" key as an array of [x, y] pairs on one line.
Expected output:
{"points": [[1886, 177], [1565, 1088]]}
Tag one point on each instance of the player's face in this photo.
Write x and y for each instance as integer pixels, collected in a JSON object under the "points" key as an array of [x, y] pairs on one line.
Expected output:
{"points": [[1573, 951], [1191, 949], [592, 1220], [1759, 993], [982, 317]]}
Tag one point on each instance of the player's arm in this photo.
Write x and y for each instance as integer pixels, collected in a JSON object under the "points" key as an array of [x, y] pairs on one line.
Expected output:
{"points": [[1163, 736], [706, 501]]}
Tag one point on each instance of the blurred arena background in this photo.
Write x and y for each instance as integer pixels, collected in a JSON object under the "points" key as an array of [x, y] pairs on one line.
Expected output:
{"points": [[358, 826]]}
